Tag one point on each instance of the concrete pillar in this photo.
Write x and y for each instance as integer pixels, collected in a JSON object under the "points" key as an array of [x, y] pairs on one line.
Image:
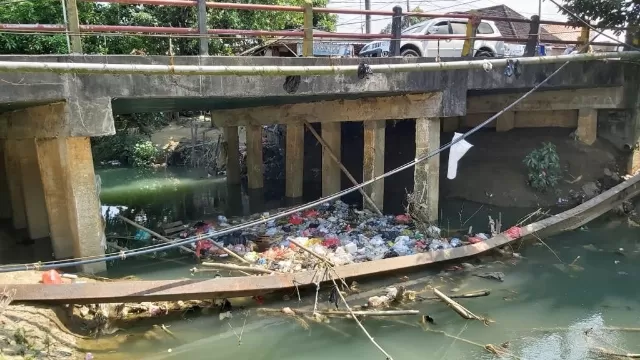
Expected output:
{"points": [[14, 183], [53, 163], [294, 161], [374, 137], [255, 165], [233, 154], [427, 173], [587, 131], [506, 121], [330, 169], [84, 212], [32, 190], [5, 209]]}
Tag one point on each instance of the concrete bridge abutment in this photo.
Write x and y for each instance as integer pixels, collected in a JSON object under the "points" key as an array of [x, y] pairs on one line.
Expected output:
{"points": [[50, 182]]}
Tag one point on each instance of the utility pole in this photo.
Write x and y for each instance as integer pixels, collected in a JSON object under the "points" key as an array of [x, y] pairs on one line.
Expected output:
{"points": [[408, 5], [367, 17], [202, 28], [73, 26]]}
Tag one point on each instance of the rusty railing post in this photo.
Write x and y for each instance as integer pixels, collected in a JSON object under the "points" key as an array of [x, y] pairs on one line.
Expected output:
{"points": [[307, 42], [532, 41], [583, 40], [73, 26], [472, 30], [396, 31], [202, 28]]}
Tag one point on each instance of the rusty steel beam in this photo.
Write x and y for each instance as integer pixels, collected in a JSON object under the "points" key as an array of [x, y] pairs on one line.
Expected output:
{"points": [[169, 290]]}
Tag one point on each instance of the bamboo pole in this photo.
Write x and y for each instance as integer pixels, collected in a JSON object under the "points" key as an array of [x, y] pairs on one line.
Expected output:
{"points": [[469, 295], [196, 271], [142, 69], [321, 258], [342, 167], [229, 252], [237, 268], [153, 233], [345, 313], [464, 313]]}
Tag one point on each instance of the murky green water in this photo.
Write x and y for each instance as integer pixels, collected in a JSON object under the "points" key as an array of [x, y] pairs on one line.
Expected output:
{"points": [[541, 291]]}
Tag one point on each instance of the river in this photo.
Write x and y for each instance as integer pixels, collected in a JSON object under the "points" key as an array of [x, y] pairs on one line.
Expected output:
{"points": [[542, 308]]}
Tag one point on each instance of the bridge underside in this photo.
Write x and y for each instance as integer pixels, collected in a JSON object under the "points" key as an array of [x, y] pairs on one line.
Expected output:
{"points": [[46, 121]]}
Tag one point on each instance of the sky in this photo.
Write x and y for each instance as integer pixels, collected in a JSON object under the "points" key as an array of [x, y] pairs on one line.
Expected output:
{"points": [[355, 23]]}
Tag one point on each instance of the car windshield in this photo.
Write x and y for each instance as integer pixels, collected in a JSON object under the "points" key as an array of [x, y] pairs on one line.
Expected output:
{"points": [[416, 28]]}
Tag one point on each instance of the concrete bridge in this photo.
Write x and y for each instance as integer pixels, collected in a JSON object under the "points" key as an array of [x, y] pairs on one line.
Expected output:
{"points": [[46, 120]]}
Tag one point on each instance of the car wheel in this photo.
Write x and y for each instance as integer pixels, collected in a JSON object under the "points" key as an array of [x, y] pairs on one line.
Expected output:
{"points": [[484, 54], [409, 53]]}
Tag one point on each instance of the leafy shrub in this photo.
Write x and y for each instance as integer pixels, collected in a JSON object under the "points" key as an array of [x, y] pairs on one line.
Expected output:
{"points": [[144, 154], [544, 167]]}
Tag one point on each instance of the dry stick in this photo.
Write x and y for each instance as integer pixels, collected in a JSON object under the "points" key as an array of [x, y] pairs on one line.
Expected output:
{"points": [[344, 169], [344, 313], [469, 295], [466, 314], [321, 258], [153, 233], [490, 348], [356, 319], [237, 267], [604, 351], [231, 253], [196, 270]]}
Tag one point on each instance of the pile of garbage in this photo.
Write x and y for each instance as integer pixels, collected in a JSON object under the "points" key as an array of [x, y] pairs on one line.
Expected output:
{"points": [[336, 231]]}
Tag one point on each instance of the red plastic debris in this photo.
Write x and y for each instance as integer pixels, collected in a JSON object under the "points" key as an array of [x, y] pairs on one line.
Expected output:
{"points": [[51, 277], [295, 220], [259, 299], [310, 213], [202, 245], [348, 228], [331, 242], [474, 240], [453, 268], [403, 219], [513, 232]]}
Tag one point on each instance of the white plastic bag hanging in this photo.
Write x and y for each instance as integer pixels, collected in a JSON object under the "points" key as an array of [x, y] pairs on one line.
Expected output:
{"points": [[456, 153]]}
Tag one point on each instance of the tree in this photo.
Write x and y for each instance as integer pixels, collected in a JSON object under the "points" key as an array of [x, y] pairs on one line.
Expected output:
{"points": [[407, 21], [605, 13]]}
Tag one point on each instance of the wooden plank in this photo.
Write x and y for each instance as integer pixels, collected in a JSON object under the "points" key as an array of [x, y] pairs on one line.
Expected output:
{"points": [[409, 106], [373, 164], [595, 98], [331, 169], [255, 164], [294, 161], [228, 287]]}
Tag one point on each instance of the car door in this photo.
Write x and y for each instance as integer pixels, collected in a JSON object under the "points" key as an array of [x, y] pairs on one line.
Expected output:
{"points": [[458, 28], [442, 47]]}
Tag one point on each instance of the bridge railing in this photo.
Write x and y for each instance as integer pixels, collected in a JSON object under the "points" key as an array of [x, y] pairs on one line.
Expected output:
{"points": [[74, 30]]}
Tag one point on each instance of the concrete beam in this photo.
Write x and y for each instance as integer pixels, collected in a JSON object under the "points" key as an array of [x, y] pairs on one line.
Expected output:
{"points": [[86, 220], [374, 138], [14, 182], [5, 209], [294, 161], [53, 163], [409, 106], [233, 154], [587, 131], [255, 165], [331, 134], [35, 122], [32, 190], [594, 98], [426, 188], [506, 121]]}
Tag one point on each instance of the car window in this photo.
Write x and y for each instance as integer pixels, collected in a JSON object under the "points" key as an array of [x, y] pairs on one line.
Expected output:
{"points": [[417, 29], [458, 28], [440, 28], [485, 28]]}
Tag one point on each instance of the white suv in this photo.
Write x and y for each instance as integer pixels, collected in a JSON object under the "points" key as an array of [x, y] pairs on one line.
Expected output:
{"points": [[483, 46]]}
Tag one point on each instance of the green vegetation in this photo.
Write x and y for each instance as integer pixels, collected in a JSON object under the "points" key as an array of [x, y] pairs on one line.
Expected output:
{"points": [[544, 167], [144, 154], [605, 13], [137, 128]]}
